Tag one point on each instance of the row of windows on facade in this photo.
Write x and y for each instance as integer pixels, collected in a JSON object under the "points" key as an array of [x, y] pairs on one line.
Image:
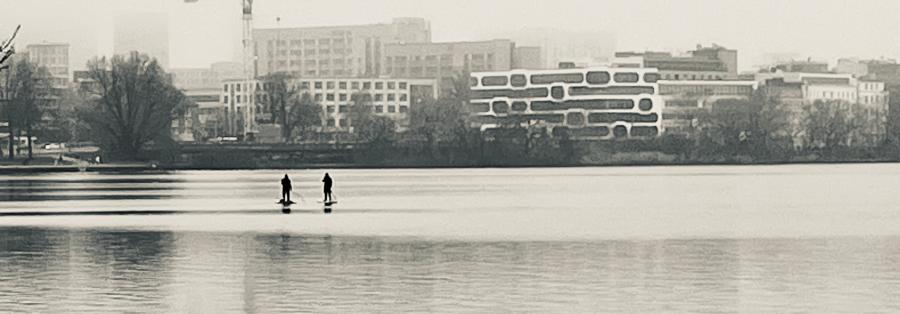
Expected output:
{"points": [[353, 85], [871, 86], [443, 58], [684, 76], [323, 64], [309, 42], [836, 95], [390, 108], [705, 90], [327, 97], [310, 52]]}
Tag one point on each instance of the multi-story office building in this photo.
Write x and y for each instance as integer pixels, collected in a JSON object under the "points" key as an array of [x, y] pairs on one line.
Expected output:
{"points": [[686, 100], [389, 97], [586, 103], [704, 63], [147, 33], [204, 119], [333, 51], [55, 58], [797, 89], [445, 61]]}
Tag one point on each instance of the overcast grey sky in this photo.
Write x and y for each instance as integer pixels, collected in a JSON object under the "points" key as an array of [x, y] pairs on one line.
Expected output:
{"points": [[209, 30]]}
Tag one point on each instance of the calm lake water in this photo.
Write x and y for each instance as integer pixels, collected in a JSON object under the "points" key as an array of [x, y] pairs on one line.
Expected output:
{"points": [[798, 238]]}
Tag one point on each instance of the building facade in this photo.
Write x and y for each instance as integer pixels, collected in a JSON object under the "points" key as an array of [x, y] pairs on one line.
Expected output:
{"points": [[704, 63], [798, 89], [389, 97], [586, 103], [205, 117], [686, 100], [334, 51], [55, 58]]}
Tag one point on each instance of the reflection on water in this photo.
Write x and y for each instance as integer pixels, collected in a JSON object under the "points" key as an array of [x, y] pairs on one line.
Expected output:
{"points": [[46, 270], [618, 240]]}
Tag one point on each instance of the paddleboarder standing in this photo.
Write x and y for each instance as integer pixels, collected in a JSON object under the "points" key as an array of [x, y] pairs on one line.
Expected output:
{"points": [[327, 188], [286, 189]]}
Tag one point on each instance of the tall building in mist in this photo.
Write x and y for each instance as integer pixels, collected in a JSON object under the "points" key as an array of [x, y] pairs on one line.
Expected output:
{"points": [[333, 51], [147, 33], [55, 58], [581, 47]]}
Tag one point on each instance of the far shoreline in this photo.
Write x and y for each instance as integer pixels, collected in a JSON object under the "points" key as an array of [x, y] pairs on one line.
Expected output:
{"points": [[133, 167]]}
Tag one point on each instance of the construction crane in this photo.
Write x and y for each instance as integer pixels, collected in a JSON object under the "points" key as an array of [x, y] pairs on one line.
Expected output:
{"points": [[249, 109]]}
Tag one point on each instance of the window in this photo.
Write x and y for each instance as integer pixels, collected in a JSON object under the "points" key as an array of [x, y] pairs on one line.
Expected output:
{"points": [[379, 109], [238, 87], [626, 77], [343, 108], [402, 85], [367, 85], [344, 123], [226, 100], [390, 97], [318, 85], [404, 109], [391, 85], [342, 97], [402, 97], [392, 109], [354, 85], [237, 99], [304, 85], [318, 97], [331, 122], [329, 109], [329, 85], [342, 85], [379, 85], [379, 97], [226, 87], [329, 97]]}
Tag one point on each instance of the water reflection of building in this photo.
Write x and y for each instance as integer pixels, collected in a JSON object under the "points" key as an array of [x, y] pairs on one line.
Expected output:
{"points": [[588, 103]]}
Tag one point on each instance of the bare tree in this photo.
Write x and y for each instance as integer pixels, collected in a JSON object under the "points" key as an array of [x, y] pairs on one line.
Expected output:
{"points": [[136, 103]]}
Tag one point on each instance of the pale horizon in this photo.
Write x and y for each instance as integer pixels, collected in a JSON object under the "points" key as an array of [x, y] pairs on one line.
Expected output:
{"points": [[208, 31]]}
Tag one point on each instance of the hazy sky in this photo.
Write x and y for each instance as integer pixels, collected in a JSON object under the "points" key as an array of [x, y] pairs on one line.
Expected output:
{"points": [[209, 30]]}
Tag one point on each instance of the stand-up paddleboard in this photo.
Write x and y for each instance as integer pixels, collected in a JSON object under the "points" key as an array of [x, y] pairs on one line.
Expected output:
{"points": [[327, 205], [285, 206]]}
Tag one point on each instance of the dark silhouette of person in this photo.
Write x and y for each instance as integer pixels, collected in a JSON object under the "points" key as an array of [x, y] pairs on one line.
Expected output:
{"points": [[286, 189], [327, 189]]}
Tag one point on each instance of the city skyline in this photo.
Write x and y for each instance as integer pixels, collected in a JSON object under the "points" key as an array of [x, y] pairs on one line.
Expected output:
{"points": [[207, 31]]}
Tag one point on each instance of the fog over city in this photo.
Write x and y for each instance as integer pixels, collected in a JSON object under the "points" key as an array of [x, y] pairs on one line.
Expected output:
{"points": [[208, 31]]}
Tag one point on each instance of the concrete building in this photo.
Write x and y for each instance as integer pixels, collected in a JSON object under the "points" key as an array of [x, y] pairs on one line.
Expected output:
{"points": [[686, 100], [333, 51], [445, 61], [389, 97], [55, 58], [586, 103], [205, 118], [704, 63], [798, 89], [147, 33]]}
